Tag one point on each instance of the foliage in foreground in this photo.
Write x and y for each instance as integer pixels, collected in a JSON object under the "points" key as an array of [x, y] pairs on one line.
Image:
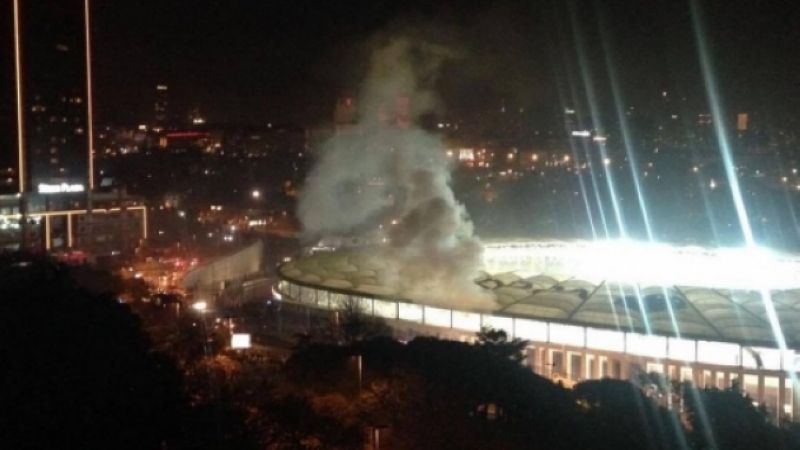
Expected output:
{"points": [[79, 372]]}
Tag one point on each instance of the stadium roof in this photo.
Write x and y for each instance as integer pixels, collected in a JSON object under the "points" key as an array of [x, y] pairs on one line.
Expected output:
{"points": [[699, 312]]}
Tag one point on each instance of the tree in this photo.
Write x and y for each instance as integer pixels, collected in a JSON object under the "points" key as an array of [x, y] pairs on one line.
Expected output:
{"points": [[617, 415], [728, 420], [355, 325], [77, 370], [496, 342]]}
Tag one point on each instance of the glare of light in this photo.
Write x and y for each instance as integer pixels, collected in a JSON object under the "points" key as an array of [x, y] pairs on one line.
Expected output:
{"points": [[200, 306], [18, 76], [89, 102], [712, 184], [715, 103], [600, 139], [646, 263], [256, 194], [566, 158], [582, 133], [240, 341], [606, 161]]}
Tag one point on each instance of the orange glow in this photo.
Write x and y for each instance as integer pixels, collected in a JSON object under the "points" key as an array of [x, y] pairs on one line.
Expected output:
{"points": [[20, 131], [69, 230], [47, 241], [89, 102], [144, 222], [74, 211]]}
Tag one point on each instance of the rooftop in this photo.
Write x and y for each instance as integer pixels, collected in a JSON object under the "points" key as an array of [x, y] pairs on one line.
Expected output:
{"points": [[701, 312]]}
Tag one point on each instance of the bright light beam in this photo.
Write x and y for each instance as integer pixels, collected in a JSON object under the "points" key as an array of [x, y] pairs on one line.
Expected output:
{"points": [[714, 102], [630, 153]]}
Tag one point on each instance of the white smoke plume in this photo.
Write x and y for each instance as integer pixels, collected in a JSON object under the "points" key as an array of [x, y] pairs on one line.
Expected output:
{"points": [[387, 167]]}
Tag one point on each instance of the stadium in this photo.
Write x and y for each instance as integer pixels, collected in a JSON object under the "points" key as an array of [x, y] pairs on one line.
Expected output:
{"points": [[600, 309]]}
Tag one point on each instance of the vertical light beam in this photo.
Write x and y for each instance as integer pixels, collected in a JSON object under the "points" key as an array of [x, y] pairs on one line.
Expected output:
{"points": [[730, 167], [20, 128], [89, 100]]}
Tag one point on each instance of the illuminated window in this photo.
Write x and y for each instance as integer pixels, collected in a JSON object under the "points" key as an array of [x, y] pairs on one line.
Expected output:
{"points": [[761, 358], [609, 340], [532, 330], [438, 317], [466, 321], [385, 309], [646, 345], [791, 361], [682, 349], [499, 323], [721, 353], [410, 312], [566, 334]]}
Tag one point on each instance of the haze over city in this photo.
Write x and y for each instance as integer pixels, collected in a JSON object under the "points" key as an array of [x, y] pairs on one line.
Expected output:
{"points": [[399, 225]]}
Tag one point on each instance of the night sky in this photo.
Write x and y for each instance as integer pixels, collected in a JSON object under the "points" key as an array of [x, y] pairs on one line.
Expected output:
{"points": [[257, 61]]}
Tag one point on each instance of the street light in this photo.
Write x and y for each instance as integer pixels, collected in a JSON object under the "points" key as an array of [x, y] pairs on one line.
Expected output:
{"points": [[201, 307]]}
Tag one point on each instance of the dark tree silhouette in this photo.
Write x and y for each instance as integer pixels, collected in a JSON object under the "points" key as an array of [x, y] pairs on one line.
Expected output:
{"points": [[498, 343], [77, 371], [728, 420], [618, 415]]}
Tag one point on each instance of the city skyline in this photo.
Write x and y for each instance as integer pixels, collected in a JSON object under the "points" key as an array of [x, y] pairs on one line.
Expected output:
{"points": [[271, 68]]}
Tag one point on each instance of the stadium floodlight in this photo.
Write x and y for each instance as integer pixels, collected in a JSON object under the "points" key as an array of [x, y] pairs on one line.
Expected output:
{"points": [[646, 263]]}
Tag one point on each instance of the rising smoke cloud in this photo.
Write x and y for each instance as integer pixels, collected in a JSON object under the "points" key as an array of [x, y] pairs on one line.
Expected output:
{"points": [[389, 167]]}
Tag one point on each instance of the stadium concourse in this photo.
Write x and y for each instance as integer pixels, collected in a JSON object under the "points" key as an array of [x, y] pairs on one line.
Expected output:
{"points": [[600, 309]]}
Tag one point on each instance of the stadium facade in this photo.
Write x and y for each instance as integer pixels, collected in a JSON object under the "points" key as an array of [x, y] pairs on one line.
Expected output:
{"points": [[601, 309]]}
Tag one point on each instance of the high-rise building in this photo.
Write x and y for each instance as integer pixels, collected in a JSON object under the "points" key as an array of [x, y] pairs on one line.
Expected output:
{"points": [[160, 106], [46, 141], [54, 94], [9, 148]]}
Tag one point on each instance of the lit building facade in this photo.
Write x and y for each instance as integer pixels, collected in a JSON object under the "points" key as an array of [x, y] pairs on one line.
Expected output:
{"points": [[160, 107], [48, 199], [9, 148], [710, 335], [54, 87]]}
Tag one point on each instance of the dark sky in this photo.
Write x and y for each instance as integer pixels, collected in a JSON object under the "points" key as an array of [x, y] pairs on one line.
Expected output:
{"points": [[260, 60]]}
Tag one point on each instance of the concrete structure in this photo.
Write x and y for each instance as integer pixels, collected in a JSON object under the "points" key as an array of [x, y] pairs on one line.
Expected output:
{"points": [[710, 325], [230, 278]]}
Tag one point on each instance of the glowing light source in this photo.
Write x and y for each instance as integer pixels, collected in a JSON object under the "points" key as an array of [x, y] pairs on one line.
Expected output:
{"points": [[89, 113], [20, 127], [635, 262], [240, 341], [45, 188]]}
